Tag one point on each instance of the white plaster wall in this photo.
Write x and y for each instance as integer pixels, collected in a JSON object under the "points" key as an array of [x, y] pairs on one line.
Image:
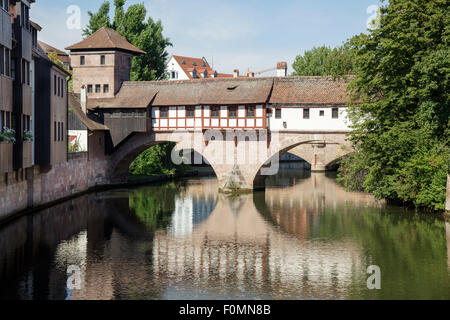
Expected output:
{"points": [[294, 120], [174, 66]]}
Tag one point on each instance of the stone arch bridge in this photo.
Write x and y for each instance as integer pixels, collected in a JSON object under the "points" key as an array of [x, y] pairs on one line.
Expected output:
{"points": [[241, 160], [240, 125]]}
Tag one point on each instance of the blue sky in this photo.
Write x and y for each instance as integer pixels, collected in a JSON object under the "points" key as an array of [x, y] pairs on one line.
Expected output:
{"points": [[231, 34]]}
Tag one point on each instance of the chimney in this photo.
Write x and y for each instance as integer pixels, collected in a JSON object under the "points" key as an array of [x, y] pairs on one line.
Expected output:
{"points": [[282, 69], [236, 73], [83, 99]]}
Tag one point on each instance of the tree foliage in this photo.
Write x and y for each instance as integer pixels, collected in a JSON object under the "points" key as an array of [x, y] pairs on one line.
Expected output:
{"points": [[156, 160], [324, 61], [144, 34], [400, 105]]}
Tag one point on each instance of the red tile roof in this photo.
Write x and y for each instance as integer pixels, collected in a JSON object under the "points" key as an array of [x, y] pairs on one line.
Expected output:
{"points": [[228, 91], [200, 64], [309, 90], [75, 105], [105, 38], [62, 56]]}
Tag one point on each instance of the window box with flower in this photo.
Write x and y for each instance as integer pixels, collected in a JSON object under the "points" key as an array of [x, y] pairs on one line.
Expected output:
{"points": [[27, 136], [8, 135]]}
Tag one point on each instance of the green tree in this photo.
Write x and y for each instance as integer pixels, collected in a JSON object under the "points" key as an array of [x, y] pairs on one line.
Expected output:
{"points": [[324, 61], [400, 105], [144, 34], [312, 63], [156, 160]]}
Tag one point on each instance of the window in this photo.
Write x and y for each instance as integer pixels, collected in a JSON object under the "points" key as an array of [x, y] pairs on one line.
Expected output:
{"points": [[4, 4], [164, 112], [55, 132], [62, 87], [335, 113], [215, 112], [89, 88], [34, 36], [59, 86], [26, 123], [8, 120], [7, 62], [322, 113], [98, 88], [82, 60], [5, 120], [232, 112], [190, 112], [277, 113], [2, 120], [305, 113], [55, 85], [250, 112], [62, 131], [102, 60], [25, 72], [2, 59], [105, 88], [13, 69], [25, 16]]}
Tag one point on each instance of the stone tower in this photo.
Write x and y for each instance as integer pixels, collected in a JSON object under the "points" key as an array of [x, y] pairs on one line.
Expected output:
{"points": [[101, 63]]}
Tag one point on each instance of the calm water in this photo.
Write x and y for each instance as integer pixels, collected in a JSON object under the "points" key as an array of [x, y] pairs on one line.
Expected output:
{"points": [[303, 238]]}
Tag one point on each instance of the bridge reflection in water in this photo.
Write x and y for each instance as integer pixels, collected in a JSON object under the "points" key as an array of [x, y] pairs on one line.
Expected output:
{"points": [[304, 237]]}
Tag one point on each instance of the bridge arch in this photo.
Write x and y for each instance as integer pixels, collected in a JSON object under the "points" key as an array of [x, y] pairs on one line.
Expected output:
{"points": [[136, 144], [261, 156]]}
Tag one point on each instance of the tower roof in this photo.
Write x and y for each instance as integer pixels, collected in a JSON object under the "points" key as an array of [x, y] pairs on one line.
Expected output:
{"points": [[105, 38]]}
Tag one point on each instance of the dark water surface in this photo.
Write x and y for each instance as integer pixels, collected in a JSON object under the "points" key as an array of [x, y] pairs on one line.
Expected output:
{"points": [[303, 238]]}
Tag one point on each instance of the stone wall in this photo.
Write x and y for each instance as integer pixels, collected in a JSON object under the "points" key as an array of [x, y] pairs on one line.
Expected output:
{"points": [[38, 186]]}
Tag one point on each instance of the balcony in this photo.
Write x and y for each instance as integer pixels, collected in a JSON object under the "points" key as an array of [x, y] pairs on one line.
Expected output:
{"points": [[6, 157]]}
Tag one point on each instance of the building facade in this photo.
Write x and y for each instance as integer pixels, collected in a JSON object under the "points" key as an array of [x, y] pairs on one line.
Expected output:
{"points": [[101, 63], [33, 103], [187, 68]]}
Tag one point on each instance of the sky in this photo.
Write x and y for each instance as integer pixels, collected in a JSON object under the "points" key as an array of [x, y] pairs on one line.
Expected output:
{"points": [[230, 34]]}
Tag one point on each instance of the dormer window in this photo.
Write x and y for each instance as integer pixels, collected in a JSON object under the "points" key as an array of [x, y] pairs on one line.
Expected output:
{"points": [[194, 64], [82, 60], [102, 60], [183, 62]]}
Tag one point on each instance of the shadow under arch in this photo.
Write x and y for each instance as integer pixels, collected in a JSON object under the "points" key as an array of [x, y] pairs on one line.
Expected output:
{"points": [[133, 146], [334, 165], [274, 160]]}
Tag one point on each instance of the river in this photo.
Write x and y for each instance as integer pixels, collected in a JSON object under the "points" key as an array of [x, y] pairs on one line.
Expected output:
{"points": [[305, 237]]}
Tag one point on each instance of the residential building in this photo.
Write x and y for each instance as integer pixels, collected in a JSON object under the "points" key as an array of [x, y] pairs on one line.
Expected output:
{"points": [[61, 55], [186, 68], [33, 99]]}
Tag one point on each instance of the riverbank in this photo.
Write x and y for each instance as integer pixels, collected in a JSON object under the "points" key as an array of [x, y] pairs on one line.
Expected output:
{"points": [[134, 181]]}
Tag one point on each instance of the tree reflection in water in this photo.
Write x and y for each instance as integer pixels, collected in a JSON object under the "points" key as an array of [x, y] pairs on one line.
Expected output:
{"points": [[303, 238]]}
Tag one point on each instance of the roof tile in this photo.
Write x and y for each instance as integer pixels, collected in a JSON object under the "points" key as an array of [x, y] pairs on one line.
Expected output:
{"points": [[105, 38]]}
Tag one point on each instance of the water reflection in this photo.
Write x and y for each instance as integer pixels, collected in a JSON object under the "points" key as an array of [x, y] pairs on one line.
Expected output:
{"points": [[303, 238]]}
